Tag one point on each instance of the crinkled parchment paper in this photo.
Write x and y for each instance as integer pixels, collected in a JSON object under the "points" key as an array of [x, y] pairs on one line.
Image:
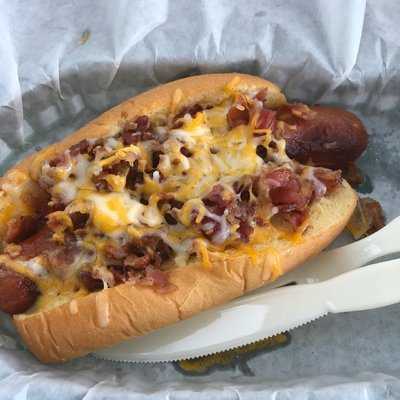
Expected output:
{"points": [[63, 62]]}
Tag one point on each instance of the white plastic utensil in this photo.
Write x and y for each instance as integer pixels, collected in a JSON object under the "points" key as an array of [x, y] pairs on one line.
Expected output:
{"points": [[334, 262], [264, 314]]}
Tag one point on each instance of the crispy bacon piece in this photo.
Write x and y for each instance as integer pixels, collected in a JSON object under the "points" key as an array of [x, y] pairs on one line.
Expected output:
{"points": [[237, 210], [119, 168], [18, 293], [134, 177], [115, 252], [137, 131], [81, 147], [22, 227], [210, 227], [266, 119], [218, 200], [91, 283], [142, 123], [59, 160], [331, 179], [79, 219], [37, 244], [242, 212], [137, 262], [192, 111], [238, 114], [284, 189], [158, 251]]}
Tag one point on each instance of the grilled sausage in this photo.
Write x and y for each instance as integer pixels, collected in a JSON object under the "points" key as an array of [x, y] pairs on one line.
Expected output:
{"points": [[17, 292], [322, 136]]}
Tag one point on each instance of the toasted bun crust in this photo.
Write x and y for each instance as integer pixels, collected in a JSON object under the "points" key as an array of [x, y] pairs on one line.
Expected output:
{"points": [[126, 311]]}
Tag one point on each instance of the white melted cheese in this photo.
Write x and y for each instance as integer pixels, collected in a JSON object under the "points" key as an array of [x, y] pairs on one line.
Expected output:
{"points": [[65, 191], [111, 211], [36, 267]]}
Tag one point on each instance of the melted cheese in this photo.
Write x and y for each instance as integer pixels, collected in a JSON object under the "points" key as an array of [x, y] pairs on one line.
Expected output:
{"points": [[111, 211], [190, 207], [124, 153], [237, 155]]}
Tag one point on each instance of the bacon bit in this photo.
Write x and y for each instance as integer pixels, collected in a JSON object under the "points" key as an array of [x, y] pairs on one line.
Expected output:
{"points": [[22, 227], [37, 244], [291, 112], [119, 168], [218, 200], [38, 199], [192, 111], [157, 249], [142, 123], [238, 116], [260, 221], [168, 203], [121, 275], [331, 179], [186, 152], [115, 252], [137, 131], [102, 185], [353, 175], [242, 212], [284, 189], [59, 160], [97, 149], [245, 230], [91, 284], [137, 262], [262, 152], [175, 203], [155, 158], [79, 219], [210, 227], [367, 218], [129, 138], [82, 147], [170, 219], [134, 177], [266, 119]]}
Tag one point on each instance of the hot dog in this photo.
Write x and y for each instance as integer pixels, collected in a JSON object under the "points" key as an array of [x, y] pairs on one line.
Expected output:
{"points": [[173, 202], [323, 136], [18, 292]]}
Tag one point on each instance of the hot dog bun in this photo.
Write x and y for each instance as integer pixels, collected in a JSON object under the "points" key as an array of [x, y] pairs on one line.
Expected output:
{"points": [[107, 317]]}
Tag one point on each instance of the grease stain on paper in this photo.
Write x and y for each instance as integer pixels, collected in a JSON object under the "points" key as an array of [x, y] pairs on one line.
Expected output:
{"points": [[229, 359], [84, 37]]}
